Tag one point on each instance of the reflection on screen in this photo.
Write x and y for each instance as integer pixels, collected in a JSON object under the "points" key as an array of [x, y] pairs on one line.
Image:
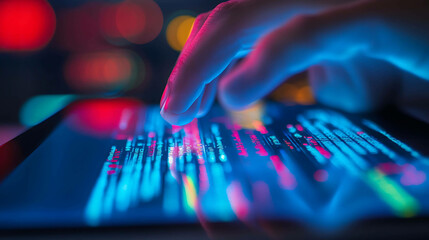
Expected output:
{"points": [[313, 165]]}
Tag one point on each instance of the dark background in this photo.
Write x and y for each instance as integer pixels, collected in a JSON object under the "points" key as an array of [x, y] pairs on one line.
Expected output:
{"points": [[24, 74]]}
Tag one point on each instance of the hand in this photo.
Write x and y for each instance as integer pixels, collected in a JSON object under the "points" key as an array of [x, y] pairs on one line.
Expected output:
{"points": [[357, 53]]}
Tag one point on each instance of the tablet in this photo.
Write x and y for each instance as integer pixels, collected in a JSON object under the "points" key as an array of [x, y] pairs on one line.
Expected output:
{"points": [[116, 162]]}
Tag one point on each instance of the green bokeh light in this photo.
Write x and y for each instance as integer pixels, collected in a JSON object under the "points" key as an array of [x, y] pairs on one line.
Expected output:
{"points": [[41, 107]]}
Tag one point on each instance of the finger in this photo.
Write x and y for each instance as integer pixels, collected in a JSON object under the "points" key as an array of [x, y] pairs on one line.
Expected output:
{"points": [[363, 84], [337, 34], [223, 35], [198, 23], [207, 98], [210, 91], [183, 118]]}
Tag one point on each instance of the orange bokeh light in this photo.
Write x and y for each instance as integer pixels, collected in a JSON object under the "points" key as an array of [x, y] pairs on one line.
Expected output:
{"points": [[25, 25], [178, 31]]}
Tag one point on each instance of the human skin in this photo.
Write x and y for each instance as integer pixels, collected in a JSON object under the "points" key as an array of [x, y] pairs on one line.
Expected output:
{"points": [[360, 54]]}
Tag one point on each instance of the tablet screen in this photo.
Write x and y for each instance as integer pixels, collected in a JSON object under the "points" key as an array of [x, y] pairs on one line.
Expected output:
{"points": [[117, 162]]}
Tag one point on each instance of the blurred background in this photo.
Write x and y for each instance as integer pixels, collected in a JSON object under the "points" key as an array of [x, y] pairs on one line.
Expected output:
{"points": [[53, 52]]}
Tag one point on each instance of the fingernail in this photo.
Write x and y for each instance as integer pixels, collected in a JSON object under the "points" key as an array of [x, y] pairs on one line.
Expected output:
{"points": [[165, 95], [162, 112]]}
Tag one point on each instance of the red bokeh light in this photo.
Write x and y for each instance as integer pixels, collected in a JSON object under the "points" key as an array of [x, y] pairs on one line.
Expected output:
{"points": [[100, 117], [79, 29], [25, 25], [101, 71], [130, 19], [321, 175], [138, 21], [11, 157]]}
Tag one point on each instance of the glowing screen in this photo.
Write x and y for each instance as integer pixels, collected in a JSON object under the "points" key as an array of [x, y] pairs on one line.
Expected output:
{"points": [[125, 165]]}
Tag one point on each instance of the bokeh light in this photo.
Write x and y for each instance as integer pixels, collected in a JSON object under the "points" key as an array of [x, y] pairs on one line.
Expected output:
{"points": [[248, 117], [25, 25], [79, 29], [178, 31], [100, 117], [105, 71], [295, 90], [138, 21], [41, 107], [321, 175], [304, 96]]}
